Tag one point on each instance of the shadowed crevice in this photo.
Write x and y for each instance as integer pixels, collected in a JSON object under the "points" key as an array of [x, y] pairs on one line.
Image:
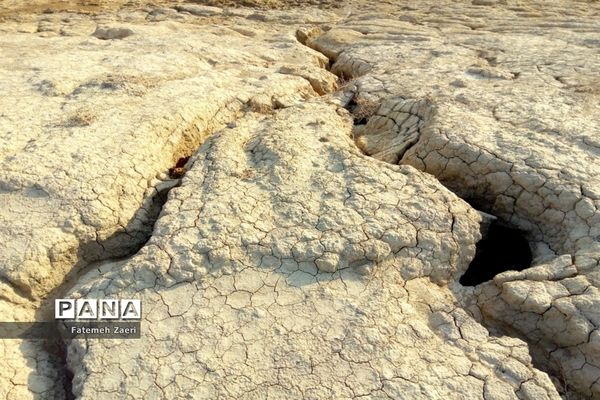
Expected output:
{"points": [[501, 249]]}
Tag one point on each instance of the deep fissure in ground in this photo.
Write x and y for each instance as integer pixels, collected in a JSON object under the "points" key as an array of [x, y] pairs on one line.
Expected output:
{"points": [[502, 248]]}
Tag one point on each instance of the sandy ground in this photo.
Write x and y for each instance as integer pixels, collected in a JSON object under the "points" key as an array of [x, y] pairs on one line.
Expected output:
{"points": [[14, 8]]}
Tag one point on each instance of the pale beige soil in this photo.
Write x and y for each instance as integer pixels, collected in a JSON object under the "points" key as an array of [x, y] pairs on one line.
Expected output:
{"points": [[344, 160]]}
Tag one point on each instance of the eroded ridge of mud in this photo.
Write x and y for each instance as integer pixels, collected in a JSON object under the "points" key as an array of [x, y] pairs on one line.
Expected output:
{"points": [[338, 292], [91, 137]]}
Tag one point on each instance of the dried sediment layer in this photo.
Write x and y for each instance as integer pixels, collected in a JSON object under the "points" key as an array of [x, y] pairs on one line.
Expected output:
{"points": [[87, 139], [93, 122], [499, 102], [16, 8], [288, 264]]}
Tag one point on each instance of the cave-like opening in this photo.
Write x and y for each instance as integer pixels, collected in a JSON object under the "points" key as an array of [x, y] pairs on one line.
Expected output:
{"points": [[501, 249]]}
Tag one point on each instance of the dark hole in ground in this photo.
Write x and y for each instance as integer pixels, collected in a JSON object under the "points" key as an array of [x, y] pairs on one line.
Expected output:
{"points": [[360, 121], [358, 114], [330, 64], [178, 170], [473, 202], [501, 249], [352, 105]]}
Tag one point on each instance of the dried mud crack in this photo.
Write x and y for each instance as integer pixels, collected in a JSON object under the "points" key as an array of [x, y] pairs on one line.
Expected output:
{"points": [[485, 163], [373, 201], [178, 133]]}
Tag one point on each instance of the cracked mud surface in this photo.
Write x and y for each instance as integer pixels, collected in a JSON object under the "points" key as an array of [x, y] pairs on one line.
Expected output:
{"points": [[303, 251]]}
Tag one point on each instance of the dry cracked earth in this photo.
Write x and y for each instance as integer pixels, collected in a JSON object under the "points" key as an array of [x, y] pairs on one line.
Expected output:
{"points": [[382, 200]]}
